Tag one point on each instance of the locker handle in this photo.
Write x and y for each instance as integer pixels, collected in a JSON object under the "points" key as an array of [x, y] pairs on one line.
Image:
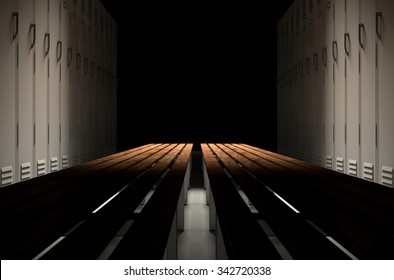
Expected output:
{"points": [[378, 22], [32, 30], [59, 50], [308, 66], [93, 69], [361, 30], [324, 56], [78, 61], [294, 72], [86, 65], [69, 56], [315, 60], [335, 50], [347, 43], [47, 42], [301, 69], [15, 17], [98, 73]]}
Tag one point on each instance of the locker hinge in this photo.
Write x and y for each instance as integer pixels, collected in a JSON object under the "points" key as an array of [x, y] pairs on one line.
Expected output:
{"points": [[359, 134], [17, 134]]}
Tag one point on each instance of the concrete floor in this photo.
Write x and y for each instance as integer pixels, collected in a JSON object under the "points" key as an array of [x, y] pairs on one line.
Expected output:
{"points": [[196, 242]]}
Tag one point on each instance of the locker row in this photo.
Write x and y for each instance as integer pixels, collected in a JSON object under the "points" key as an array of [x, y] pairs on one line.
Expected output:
{"points": [[335, 85], [58, 85]]}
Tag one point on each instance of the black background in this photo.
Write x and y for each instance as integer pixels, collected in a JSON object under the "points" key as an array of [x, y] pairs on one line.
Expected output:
{"points": [[196, 71]]}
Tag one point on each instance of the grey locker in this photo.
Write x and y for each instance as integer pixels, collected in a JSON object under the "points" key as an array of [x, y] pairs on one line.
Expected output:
{"points": [[385, 43], [9, 29], [339, 85], [42, 54], [65, 82], [56, 54], [89, 81], [73, 65], [328, 86], [351, 46], [316, 79], [367, 89], [25, 94]]}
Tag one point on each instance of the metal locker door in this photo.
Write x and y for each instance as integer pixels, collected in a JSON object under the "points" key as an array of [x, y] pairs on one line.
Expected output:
{"points": [[94, 77], [88, 65], [82, 75], [298, 79], [41, 86], [67, 61], [100, 89], [73, 65], [339, 85], [27, 42], [113, 86], [385, 38], [292, 84], [328, 88], [315, 76], [305, 69], [366, 41], [280, 46], [9, 28], [56, 54], [319, 95], [351, 46]]}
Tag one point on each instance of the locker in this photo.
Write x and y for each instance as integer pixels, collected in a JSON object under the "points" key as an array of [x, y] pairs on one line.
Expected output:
{"points": [[42, 51], [338, 53], [56, 54], [351, 45], [114, 86], [328, 84], [9, 29], [305, 70], [95, 76], [367, 89], [66, 63], [25, 120], [315, 98], [89, 82], [385, 44], [82, 84], [73, 90]]}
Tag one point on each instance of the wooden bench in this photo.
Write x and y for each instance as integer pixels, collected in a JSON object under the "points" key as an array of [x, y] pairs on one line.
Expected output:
{"points": [[72, 205], [238, 233], [353, 213]]}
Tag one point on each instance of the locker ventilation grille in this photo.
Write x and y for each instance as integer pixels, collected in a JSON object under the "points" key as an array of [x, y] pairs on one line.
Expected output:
{"points": [[90, 9], [83, 6], [41, 168], [25, 171], [54, 164], [310, 6], [353, 167], [339, 164], [387, 176], [65, 161], [329, 162], [6, 176], [368, 171]]}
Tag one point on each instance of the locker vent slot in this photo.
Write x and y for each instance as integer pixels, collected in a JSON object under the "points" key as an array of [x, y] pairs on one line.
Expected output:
{"points": [[339, 164], [6, 176], [329, 162], [368, 171], [353, 167], [65, 161], [25, 171], [54, 164], [41, 168], [387, 176]]}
